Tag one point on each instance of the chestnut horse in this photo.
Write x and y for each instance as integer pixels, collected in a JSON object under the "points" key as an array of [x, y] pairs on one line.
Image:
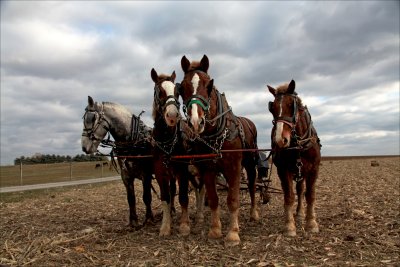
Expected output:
{"points": [[216, 128], [168, 142], [296, 154]]}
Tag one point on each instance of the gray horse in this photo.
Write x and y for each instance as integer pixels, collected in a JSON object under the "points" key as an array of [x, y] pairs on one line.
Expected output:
{"points": [[132, 138]]}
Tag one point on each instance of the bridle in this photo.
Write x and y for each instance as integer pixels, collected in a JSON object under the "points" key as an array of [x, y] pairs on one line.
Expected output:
{"points": [[166, 146], [290, 121], [90, 132], [197, 99], [162, 104]]}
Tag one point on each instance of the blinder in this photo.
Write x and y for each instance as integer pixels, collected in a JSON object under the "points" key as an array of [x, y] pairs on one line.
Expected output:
{"points": [[165, 103], [291, 121], [270, 103], [96, 119]]}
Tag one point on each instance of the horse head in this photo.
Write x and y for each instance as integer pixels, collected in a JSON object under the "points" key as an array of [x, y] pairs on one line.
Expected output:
{"points": [[165, 98], [195, 91], [95, 126], [285, 109]]}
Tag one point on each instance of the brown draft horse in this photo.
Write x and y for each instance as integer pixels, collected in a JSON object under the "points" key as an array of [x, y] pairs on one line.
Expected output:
{"points": [[296, 154], [216, 128], [167, 142]]}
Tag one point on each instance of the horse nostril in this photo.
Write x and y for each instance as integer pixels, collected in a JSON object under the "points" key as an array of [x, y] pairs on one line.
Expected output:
{"points": [[202, 122], [84, 149], [285, 141]]}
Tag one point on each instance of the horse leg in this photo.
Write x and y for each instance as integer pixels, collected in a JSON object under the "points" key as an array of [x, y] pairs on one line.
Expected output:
{"points": [[199, 190], [232, 175], [146, 182], [172, 190], [163, 182], [210, 183], [130, 194], [184, 227], [251, 176], [311, 222], [200, 197], [300, 201], [287, 187]]}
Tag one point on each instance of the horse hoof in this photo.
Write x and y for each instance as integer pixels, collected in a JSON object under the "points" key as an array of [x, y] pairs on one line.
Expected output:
{"points": [[232, 239], [291, 233], [312, 227], [214, 233], [184, 229], [165, 231], [254, 216], [133, 224], [290, 229]]}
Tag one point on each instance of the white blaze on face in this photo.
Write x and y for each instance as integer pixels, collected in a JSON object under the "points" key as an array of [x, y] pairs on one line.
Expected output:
{"points": [[195, 116], [279, 125], [169, 88], [278, 132]]}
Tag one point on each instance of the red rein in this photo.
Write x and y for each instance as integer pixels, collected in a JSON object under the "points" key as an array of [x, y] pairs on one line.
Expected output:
{"points": [[199, 156]]}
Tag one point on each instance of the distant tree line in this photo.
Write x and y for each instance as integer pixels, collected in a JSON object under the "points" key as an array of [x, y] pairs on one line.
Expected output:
{"points": [[40, 159]]}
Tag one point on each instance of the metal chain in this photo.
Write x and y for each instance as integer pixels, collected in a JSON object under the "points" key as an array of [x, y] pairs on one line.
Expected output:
{"points": [[217, 146], [163, 148]]}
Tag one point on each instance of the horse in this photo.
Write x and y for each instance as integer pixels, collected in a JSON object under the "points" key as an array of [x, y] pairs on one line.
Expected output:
{"points": [[132, 137], [168, 141], [296, 154], [217, 128]]}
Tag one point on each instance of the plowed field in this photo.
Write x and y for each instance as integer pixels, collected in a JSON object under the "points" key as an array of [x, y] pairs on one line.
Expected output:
{"points": [[358, 210]]}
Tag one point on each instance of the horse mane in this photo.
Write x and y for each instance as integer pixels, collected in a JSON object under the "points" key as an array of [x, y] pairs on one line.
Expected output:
{"points": [[154, 112], [117, 106], [281, 89]]}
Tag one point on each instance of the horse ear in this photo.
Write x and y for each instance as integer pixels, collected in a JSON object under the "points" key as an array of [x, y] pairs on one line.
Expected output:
{"points": [[154, 75], [272, 90], [179, 88], [204, 64], [291, 87], [90, 101], [185, 64], [210, 86], [173, 76]]}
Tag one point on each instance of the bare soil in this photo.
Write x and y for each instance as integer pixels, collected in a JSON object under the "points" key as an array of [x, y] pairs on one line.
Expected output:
{"points": [[358, 209]]}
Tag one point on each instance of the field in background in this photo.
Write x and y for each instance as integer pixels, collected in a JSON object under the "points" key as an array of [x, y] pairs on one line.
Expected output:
{"points": [[52, 173], [62, 172]]}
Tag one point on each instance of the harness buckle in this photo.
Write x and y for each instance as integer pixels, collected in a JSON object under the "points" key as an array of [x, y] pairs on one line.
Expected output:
{"points": [[298, 177]]}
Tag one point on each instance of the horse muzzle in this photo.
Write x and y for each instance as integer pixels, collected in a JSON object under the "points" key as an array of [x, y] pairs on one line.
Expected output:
{"points": [[282, 135], [171, 116], [197, 124], [88, 146]]}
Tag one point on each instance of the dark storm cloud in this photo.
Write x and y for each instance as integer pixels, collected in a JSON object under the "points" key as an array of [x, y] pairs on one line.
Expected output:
{"points": [[344, 57]]}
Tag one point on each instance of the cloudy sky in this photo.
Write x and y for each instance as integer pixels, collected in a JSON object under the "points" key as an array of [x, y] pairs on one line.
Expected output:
{"points": [[344, 57]]}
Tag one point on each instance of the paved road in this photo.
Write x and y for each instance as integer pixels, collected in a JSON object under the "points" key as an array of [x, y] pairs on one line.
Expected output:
{"points": [[60, 184]]}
